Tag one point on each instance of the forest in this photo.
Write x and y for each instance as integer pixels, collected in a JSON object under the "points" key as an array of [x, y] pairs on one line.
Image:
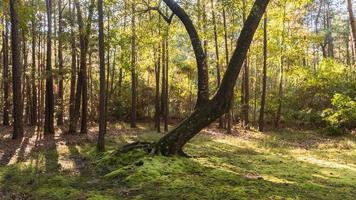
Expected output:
{"points": [[177, 99]]}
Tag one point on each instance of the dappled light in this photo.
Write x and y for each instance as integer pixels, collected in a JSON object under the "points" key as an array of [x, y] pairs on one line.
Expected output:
{"points": [[177, 100]]}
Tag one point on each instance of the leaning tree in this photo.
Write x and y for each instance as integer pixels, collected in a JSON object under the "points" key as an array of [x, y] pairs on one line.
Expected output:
{"points": [[210, 110]]}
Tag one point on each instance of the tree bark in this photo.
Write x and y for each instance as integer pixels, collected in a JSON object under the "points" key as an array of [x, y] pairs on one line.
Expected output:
{"points": [[72, 99], [218, 71], [173, 142], [60, 65], [133, 69], [228, 113], [264, 77], [82, 82], [16, 71], [352, 20], [33, 71], [102, 102], [5, 36], [49, 99]]}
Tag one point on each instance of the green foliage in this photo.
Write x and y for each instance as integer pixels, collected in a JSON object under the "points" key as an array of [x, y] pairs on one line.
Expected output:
{"points": [[341, 115]]}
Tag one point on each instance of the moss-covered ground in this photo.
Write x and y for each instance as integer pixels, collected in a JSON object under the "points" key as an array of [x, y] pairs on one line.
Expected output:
{"points": [[287, 164]]}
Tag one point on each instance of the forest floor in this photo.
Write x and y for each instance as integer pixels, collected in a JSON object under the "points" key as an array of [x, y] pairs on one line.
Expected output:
{"points": [[285, 164]]}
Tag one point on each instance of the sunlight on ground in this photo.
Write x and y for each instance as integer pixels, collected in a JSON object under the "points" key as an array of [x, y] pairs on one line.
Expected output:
{"points": [[325, 163], [252, 165], [26, 145]]}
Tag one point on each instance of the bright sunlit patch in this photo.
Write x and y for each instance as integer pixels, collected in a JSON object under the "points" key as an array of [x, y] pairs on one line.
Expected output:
{"points": [[63, 156], [25, 148], [276, 180], [327, 164]]}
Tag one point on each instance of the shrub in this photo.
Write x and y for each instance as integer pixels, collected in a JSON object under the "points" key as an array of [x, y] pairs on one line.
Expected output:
{"points": [[342, 115]]}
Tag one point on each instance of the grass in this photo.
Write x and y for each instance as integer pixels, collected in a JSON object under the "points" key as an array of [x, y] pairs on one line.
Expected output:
{"points": [[276, 165]]}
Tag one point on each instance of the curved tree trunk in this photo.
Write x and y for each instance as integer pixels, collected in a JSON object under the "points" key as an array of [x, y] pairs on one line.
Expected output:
{"points": [[203, 73], [205, 114]]}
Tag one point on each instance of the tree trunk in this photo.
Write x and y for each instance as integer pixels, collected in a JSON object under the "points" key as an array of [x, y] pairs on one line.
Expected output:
{"points": [[33, 71], [49, 100], [72, 99], [203, 74], [246, 82], [166, 100], [102, 102], [352, 20], [173, 142], [281, 73], [133, 69], [27, 84], [16, 71], [60, 66], [82, 84], [5, 72], [264, 77], [228, 114], [218, 73]]}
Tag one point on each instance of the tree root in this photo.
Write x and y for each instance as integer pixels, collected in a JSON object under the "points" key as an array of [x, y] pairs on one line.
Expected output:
{"points": [[151, 148], [146, 146]]}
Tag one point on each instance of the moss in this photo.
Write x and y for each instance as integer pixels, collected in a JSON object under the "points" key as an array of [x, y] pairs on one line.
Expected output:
{"points": [[277, 165]]}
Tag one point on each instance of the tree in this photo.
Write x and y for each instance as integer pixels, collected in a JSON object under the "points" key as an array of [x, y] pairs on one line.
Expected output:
{"points": [[133, 69], [102, 102], [33, 71], [281, 70], [204, 114], [264, 78], [60, 65], [16, 70], [72, 99], [203, 74], [352, 20], [5, 72], [218, 73], [245, 82], [82, 85], [49, 100]]}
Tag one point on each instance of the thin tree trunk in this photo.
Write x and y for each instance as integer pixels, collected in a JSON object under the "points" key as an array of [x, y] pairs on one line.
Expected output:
{"points": [[166, 100], [246, 82], [33, 71], [6, 119], [16, 71], [72, 97], [218, 73], [60, 66], [352, 20], [228, 114], [133, 69], [102, 102], [82, 84], [281, 73], [49, 104], [264, 77]]}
